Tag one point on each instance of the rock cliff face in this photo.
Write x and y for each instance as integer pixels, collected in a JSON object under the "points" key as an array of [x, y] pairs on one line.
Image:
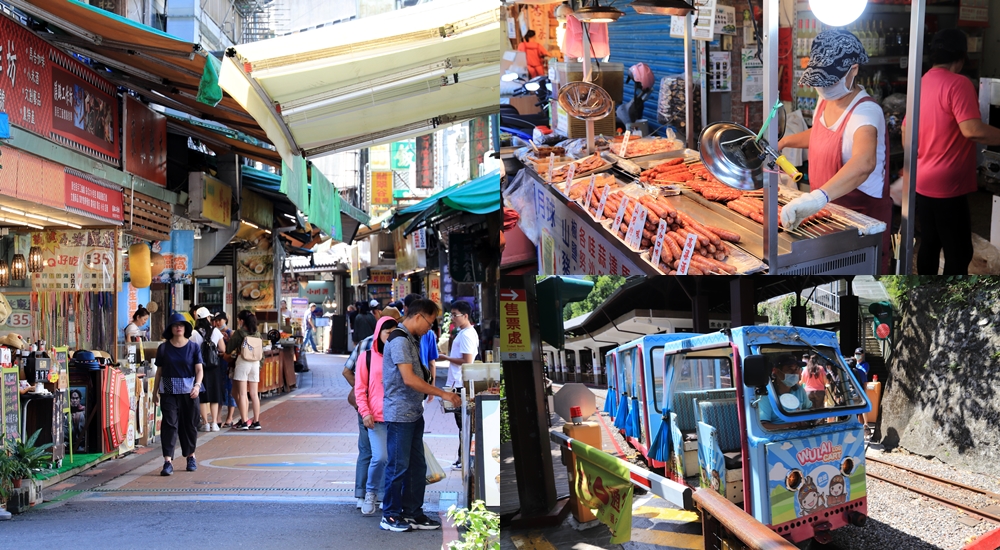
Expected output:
{"points": [[942, 396]]}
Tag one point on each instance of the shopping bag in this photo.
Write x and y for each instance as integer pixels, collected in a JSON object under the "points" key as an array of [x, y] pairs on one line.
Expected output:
{"points": [[435, 472]]}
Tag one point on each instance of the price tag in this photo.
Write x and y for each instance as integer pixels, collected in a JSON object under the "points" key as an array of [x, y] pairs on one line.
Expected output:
{"points": [[624, 148], [570, 172], [661, 233], [620, 215], [552, 161], [590, 190], [633, 239], [604, 201], [689, 246]]}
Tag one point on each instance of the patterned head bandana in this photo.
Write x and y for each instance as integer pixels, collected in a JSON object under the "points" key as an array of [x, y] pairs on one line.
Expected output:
{"points": [[833, 53]]}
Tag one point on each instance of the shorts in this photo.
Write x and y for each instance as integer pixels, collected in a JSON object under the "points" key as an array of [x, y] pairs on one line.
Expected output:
{"points": [[247, 371]]}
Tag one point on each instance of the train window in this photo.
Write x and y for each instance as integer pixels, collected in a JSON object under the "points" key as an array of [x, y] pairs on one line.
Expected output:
{"points": [[627, 368], [807, 379], [703, 373], [657, 355]]}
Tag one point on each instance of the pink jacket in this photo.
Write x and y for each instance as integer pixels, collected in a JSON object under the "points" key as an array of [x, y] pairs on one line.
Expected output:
{"points": [[368, 379]]}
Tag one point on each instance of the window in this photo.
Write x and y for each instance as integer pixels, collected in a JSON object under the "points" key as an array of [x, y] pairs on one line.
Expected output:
{"points": [[627, 371], [658, 357], [703, 373], [824, 382]]}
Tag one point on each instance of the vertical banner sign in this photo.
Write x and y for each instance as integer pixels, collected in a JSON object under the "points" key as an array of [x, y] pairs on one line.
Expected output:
{"points": [[400, 288], [382, 187], [420, 239], [379, 157], [144, 142], [402, 155], [479, 137], [515, 333], [603, 484], [425, 161], [87, 195], [434, 288]]}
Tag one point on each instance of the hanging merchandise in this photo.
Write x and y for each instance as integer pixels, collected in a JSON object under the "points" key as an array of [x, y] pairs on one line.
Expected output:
{"points": [[598, 33]]}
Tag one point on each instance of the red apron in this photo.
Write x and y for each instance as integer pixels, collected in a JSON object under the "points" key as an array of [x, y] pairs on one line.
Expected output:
{"points": [[825, 160]]}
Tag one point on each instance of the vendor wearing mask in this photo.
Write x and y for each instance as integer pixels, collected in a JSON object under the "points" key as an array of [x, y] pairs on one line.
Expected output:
{"points": [[847, 144], [950, 126]]}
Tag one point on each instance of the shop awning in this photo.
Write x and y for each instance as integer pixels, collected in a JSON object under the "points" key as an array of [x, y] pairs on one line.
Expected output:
{"points": [[162, 68], [370, 81], [478, 196]]}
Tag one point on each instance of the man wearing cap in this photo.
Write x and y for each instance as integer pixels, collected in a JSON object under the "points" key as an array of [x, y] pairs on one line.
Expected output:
{"points": [[950, 124], [861, 367], [848, 145]]}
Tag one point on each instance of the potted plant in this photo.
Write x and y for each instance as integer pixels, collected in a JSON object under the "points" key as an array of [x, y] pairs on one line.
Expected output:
{"points": [[27, 459], [482, 527]]}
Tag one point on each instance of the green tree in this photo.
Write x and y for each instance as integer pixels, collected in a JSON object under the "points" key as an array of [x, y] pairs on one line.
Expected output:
{"points": [[604, 287]]}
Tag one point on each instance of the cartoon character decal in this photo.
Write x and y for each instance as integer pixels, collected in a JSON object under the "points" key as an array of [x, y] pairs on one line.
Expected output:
{"points": [[808, 475], [677, 452], [710, 459]]}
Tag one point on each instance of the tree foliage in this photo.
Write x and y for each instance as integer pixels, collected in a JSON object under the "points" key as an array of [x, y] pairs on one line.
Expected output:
{"points": [[604, 287]]}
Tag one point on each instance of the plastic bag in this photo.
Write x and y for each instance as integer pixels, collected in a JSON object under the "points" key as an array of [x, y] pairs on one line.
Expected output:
{"points": [[435, 472], [520, 196]]}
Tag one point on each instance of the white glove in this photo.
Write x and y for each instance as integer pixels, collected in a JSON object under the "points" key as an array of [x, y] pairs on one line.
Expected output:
{"points": [[796, 211]]}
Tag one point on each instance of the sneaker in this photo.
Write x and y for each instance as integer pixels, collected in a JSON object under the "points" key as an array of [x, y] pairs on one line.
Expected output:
{"points": [[215, 427], [457, 466], [192, 464], [204, 428], [368, 506], [255, 426], [241, 425], [423, 522], [395, 524], [361, 502], [168, 469]]}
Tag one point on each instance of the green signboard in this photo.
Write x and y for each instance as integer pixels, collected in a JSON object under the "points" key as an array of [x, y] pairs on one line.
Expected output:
{"points": [[403, 155]]}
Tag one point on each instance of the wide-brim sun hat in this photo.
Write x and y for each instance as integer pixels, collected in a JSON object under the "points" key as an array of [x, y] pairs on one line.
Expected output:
{"points": [[832, 55], [177, 319]]}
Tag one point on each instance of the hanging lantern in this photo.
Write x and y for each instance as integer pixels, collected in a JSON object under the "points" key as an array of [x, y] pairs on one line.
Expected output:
{"points": [[18, 268], [4, 273], [35, 260]]}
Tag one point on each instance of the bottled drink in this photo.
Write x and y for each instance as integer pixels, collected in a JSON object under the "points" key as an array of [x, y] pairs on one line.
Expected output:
{"points": [[881, 38], [812, 35], [890, 41]]}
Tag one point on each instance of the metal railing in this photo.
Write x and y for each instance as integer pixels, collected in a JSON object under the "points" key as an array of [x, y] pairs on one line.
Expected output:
{"points": [[724, 525]]}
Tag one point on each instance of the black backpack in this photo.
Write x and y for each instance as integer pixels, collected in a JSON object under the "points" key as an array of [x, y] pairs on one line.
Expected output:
{"points": [[209, 352], [400, 333]]}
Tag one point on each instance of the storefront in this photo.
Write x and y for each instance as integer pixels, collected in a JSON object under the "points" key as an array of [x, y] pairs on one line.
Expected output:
{"points": [[607, 219]]}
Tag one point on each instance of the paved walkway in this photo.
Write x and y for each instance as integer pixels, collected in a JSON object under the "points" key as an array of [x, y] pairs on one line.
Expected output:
{"points": [[305, 454]]}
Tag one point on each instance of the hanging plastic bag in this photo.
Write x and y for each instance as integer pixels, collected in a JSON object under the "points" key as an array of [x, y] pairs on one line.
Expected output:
{"points": [[435, 472], [520, 196]]}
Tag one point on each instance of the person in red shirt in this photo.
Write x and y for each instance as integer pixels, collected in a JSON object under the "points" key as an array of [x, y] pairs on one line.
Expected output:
{"points": [[946, 157], [535, 54]]}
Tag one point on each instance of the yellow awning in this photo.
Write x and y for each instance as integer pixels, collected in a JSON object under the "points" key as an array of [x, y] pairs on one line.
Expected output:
{"points": [[372, 80]]}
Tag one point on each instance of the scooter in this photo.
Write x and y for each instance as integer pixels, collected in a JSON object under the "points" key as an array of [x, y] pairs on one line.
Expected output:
{"points": [[631, 111], [523, 125]]}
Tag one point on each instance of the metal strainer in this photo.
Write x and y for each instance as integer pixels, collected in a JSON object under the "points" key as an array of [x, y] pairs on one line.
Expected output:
{"points": [[585, 101]]}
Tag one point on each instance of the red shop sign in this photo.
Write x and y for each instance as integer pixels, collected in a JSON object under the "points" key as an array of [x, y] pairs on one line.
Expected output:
{"points": [[145, 142], [425, 161], [91, 198]]}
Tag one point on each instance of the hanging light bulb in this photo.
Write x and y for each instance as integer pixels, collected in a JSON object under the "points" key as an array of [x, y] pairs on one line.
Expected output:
{"points": [[4, 273], [18, 267], [35, 260]]}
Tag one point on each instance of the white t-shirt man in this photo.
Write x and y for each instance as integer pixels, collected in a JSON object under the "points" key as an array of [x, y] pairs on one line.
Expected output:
{"points": [[466, 341], [867, 114]]}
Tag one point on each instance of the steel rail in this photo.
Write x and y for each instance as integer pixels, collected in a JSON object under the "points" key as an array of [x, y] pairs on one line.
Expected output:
{"points": [[939, 498], [990, 494]]}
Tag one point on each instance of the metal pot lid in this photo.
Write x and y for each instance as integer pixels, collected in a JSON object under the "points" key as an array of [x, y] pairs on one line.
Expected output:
{"points": [[732, 156], [585, 101]]}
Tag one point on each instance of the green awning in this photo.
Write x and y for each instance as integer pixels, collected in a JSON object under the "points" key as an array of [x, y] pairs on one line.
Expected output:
{"points": [[478, 196]]}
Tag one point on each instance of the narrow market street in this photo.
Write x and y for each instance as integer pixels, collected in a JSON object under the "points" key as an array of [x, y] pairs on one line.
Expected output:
{"points": [[289, 485]]}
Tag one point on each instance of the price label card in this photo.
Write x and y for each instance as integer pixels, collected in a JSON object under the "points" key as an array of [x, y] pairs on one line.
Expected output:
{"points": [[689, 245], [552, 161], [661, 233], [621, 214], [570, 172], [590, 190], [624, 148], [604, 201], [633, 239]]}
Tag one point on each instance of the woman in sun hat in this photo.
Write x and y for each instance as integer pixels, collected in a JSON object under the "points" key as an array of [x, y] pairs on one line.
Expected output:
{"points": [[848, 145], [178, 384]]}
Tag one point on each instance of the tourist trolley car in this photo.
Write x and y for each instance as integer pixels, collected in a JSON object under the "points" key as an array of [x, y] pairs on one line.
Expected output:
{"points": [[692, 405]]}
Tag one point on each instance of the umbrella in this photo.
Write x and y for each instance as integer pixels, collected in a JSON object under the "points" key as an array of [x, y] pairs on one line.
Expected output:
{"points": [[115, 408], [622, 417], [609, 402], [660, 448]]}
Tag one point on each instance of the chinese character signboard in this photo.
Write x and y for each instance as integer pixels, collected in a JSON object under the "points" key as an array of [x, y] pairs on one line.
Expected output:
{"points": [[468, 258], [515, 333], [380, 277], [403, 155], [10, 410], [218, 202], [76, 260], [425, 161], [379, 157], [420, 239], [574, 247], [19, 320], [479, 132], [382, 188], [400, 288], [86, 195], [145, 142], [177, 253], [434, 288]]}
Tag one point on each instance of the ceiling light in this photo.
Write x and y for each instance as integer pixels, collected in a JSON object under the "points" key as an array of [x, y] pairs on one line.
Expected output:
{"points": [[35, 259], [597, 13], [837, 13], [662, 7], [73, 225], [11, 210], [36, 216], [18, 268], [4, 273], [253, 225]]}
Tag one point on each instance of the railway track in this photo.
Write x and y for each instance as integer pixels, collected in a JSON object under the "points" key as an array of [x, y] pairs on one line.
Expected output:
{"points": [[995, 517]]}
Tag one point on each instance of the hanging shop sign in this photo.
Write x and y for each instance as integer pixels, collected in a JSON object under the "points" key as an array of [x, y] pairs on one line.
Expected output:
{"points": [[466, 257], [408, 258], [381, 188], [403, 155], [210, 200], [479, 143], [255, 277], [570, 245], [93, 197], [80, 260], [355, 265], [144, 142], [379, 157], [317, 292], [515, 333], [425, 161], [178, 254], [434, 288], [380, 277], [400, 288], [420, 239]]}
